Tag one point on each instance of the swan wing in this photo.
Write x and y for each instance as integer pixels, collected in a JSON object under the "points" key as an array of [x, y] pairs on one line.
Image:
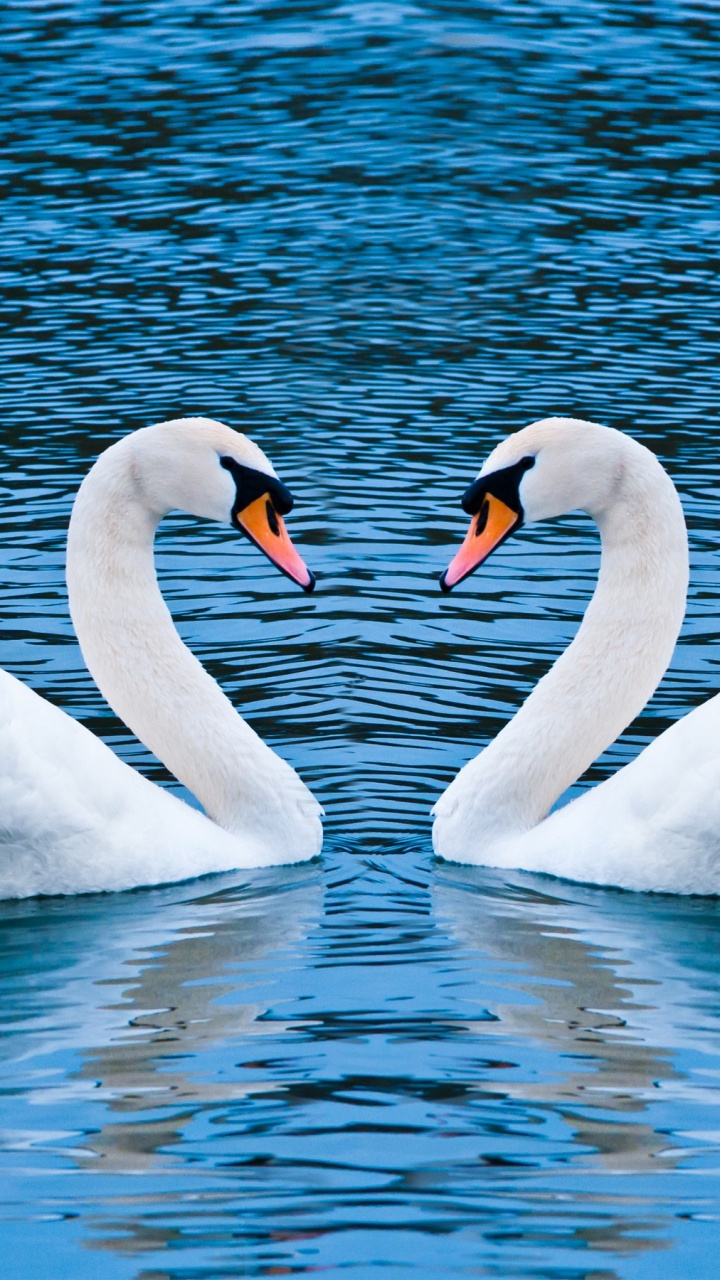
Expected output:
{"points": [[74, 818], [654, 825]]}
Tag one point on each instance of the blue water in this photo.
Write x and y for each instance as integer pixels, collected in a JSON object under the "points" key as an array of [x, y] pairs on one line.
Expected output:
{"points": [[376, 237]]}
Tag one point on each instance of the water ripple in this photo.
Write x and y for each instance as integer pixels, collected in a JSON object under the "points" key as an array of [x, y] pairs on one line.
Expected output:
{"points": [[375, 236]]}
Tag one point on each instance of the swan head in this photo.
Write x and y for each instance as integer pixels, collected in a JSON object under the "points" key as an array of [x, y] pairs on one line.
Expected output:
{"points": [[547, 469], [207, 469]]}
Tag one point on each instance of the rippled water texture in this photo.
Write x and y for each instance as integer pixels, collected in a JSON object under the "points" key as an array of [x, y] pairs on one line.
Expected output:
{"points": [[376, 237]]}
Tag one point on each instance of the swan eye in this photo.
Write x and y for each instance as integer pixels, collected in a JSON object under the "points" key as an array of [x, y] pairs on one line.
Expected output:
{"points": [[272, 518], [251, 484], [503, 484], [482, 517]]}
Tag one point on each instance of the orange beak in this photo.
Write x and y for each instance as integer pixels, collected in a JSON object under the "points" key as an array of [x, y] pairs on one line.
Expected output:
{"points": [[493, 523], [265, 527]]}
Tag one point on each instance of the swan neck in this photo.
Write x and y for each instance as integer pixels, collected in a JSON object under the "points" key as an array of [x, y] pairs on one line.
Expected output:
{"points": [[136, 657], [605, 677]]}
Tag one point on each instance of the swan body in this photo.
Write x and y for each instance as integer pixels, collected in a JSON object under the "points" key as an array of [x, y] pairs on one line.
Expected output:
{"points": [[74, 818], [654, 825]]}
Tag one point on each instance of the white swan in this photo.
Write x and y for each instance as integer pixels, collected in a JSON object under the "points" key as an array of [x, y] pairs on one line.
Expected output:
{"points": [[654, 825], [73, 817]]}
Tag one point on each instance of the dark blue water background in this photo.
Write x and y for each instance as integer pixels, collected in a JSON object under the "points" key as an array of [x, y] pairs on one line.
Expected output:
{"points": [[376, 237]]}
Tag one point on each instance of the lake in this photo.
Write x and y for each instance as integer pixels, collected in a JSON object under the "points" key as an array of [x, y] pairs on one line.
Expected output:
{"points": [[376, 237]]}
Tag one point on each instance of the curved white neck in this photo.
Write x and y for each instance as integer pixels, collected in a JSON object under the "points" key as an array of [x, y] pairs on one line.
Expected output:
{"points": [[141, 665], [607, 674]]}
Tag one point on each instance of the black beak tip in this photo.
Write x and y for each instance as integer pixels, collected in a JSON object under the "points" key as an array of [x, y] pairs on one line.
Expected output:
{"points": [[444, 586], [310, 584]]}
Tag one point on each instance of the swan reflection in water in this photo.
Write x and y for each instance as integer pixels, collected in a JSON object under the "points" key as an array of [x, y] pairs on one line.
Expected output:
{"points": [[597, 996], [615, 986], [186, 1001], [602, 1006], [154, 982]]}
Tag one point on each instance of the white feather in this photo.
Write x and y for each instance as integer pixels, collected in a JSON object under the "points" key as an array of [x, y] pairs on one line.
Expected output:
{"points": [[73, 817], [655, 825]]}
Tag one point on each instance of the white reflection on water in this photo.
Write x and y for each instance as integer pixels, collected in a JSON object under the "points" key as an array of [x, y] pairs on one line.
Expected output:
{"points": [[620, 989]]}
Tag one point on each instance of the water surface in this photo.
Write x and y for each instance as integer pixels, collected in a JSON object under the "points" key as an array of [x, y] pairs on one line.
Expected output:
{"points": [[376, 237]]}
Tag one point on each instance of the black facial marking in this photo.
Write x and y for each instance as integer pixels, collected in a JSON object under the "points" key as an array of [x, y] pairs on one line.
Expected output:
{"points": [[482, 518], [272, 518], [503, 484], [251, 484]]}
